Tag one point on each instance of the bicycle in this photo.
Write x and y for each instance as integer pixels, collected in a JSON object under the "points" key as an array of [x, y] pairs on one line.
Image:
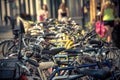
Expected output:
{"points": [[15, 68]]}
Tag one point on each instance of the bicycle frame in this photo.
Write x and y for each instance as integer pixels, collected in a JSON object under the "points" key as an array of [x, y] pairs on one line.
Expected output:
{"points": [[59, 69]]}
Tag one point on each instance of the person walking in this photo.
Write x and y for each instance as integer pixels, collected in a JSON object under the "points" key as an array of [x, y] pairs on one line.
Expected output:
{"points": [[63, 12], [44, 14], [108, 16]]}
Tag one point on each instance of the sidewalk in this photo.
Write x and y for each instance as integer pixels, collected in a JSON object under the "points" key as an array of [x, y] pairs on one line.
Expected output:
{"points": [[5, 32]]}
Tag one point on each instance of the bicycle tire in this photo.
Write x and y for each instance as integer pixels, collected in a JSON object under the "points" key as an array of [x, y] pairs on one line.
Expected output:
{"points": [[6, 47], [116, 76], [114, 56]]}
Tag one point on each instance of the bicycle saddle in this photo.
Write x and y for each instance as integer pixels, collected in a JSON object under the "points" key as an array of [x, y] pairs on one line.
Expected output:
{"points": [[49, 35], [96, 73], [97, 42], [53, 51], [75, 51]]}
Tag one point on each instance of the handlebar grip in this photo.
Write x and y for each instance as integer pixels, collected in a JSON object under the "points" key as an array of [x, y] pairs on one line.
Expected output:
{"points": [[33, 62]]}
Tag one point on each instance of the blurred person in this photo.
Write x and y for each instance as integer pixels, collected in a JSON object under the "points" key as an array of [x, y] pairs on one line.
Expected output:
{"points": [[44, 14], [116, 33], [108, 16], [63, 12]]}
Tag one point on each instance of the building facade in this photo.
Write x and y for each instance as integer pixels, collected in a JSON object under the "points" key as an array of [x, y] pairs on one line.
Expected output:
{"points": [[31, 7], [76, 8]]}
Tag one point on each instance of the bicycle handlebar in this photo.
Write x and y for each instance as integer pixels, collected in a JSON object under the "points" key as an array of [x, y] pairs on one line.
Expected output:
{"points": [[33, 62]]}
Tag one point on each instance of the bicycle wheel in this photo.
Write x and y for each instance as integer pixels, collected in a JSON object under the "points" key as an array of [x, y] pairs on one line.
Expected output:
{"points": [[1, 46], [115, 76], [7, 47], [114, 55]]}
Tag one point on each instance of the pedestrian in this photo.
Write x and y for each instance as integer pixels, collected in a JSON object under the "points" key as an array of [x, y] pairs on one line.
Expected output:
{"points": [[44, 14], [116, 33], [63, 12], [108, 16]]}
